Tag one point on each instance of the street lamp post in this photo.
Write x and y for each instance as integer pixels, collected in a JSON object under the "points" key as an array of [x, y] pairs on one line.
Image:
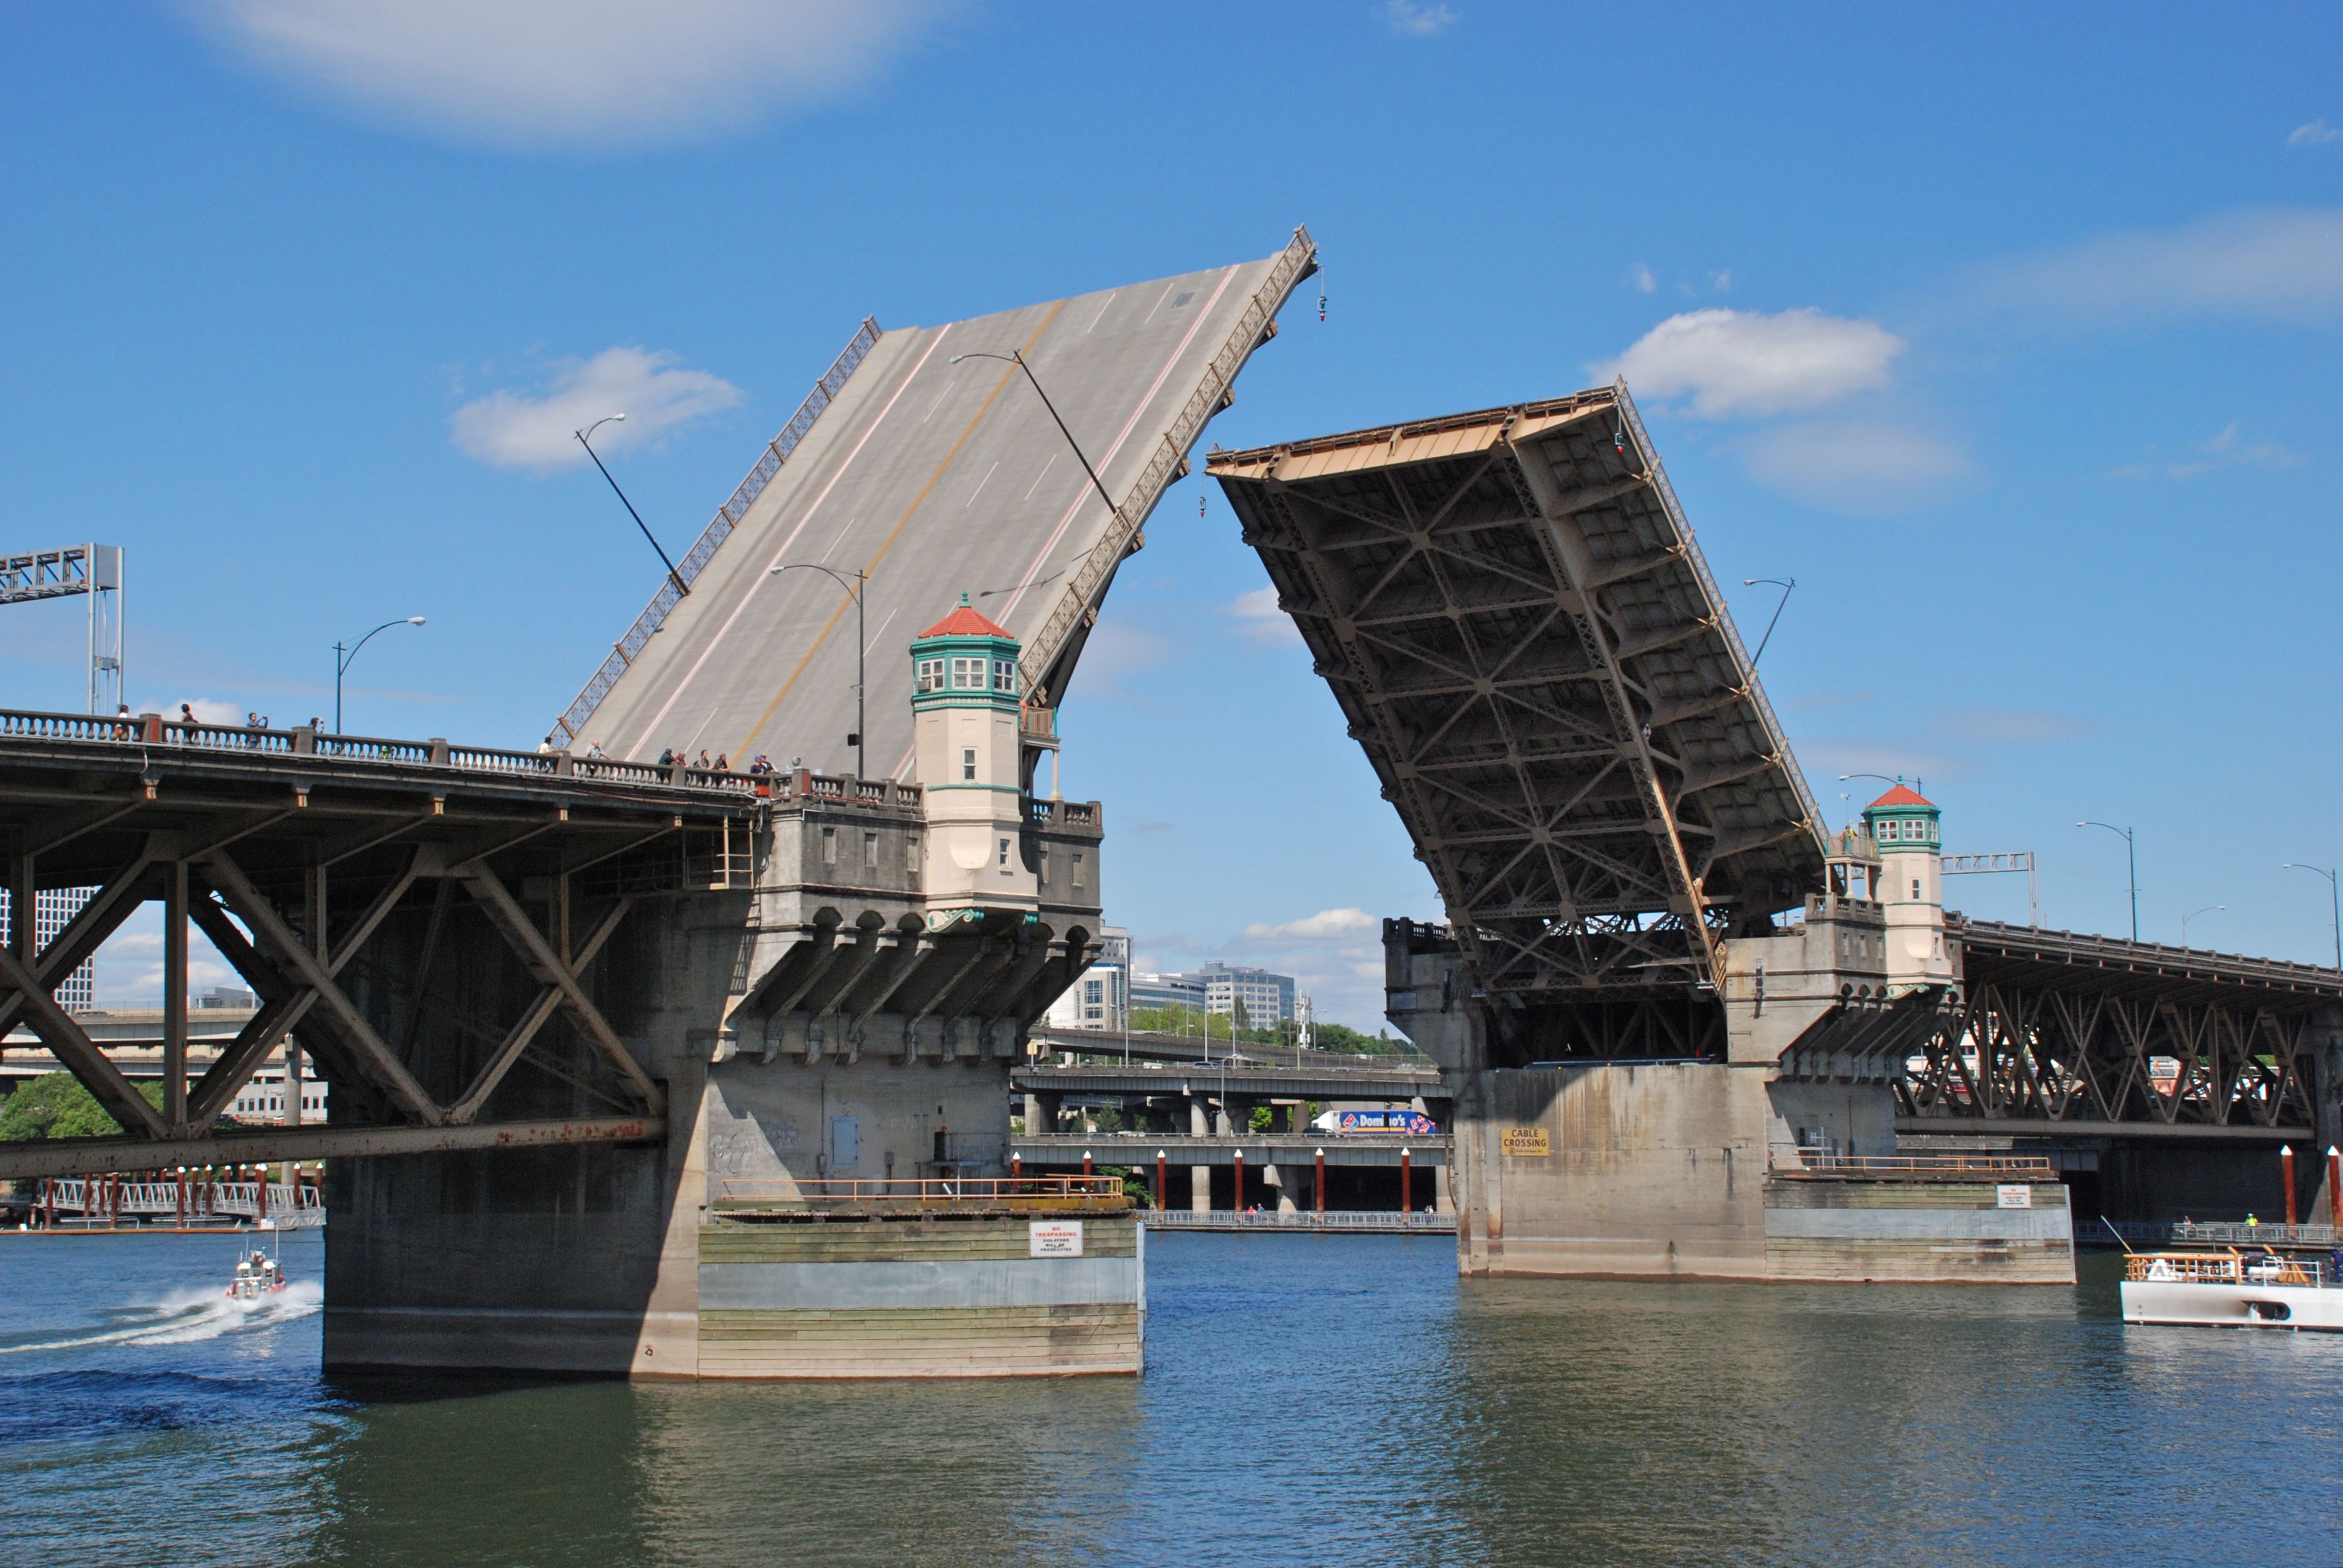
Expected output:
{"points": [[2192, 915], [2131, 860], [854, 592], [672, 575], [1017, 358], [343, 655], [1785, 585], [2337, 894]]}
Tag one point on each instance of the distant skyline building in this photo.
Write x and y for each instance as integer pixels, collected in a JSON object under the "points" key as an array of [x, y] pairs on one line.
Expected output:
{"points": [[1159, 992], [54, 910], [1100, 998], [1268, 998]]}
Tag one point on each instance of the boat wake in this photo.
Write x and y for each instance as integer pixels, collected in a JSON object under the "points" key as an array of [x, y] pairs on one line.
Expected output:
{"points": [[189, 1317]]}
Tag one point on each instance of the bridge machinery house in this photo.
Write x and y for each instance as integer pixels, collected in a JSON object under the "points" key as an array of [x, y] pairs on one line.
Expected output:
{"points": [[1672, 1020]]}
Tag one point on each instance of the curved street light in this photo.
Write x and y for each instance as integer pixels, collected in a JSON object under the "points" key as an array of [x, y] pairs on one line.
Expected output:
{"points": [[854, 592], [2192, 915], [1017, 358], [1785, 585], [2131, 860], [2306, 866], [1883, 778], [343, 654], [672, 575]]}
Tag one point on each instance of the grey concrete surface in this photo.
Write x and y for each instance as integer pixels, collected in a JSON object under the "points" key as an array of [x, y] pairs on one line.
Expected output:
{"points": [[938, 479]]}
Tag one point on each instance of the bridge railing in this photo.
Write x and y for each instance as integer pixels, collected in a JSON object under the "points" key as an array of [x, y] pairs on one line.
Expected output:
{"points": [[922, 1192], [150, 732], [2010, 1167], [628, 649], [1300, 1220], [1087, 583], [291, 1206]]}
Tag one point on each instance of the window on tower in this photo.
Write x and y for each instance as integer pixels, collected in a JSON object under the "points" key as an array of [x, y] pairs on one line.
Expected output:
{"points": [[931, 675], [968, 674], [968, 764], [1004, 675]]}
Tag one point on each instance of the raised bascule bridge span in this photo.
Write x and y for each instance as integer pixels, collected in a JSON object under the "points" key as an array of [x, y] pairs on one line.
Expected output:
{"points": [[1683, 1021], [672, 1071]]}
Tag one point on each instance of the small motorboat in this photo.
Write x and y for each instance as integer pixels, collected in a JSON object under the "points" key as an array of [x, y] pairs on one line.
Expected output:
{"points": [[257, 1275], [2231, 1288]]}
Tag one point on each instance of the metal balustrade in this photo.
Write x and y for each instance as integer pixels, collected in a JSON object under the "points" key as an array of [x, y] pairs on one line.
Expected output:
{"points": [[181, 1200], [154, 735], [628, 649]]}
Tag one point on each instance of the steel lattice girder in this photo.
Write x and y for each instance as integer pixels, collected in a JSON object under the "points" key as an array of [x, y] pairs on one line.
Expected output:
{"points": [[1518, 625]]}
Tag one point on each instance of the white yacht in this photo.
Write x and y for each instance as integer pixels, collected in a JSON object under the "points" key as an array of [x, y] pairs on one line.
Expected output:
{"points": [[2231, 1288]]}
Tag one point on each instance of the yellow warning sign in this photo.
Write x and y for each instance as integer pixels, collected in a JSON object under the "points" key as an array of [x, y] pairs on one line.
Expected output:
{"points": [[1526, 1143]]}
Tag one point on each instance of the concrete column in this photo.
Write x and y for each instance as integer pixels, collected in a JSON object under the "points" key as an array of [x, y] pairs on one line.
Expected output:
{"points": [[1199, 1188], [1443, 1198], [2322, 1055], [1034, 1128], [1285, 1205]]}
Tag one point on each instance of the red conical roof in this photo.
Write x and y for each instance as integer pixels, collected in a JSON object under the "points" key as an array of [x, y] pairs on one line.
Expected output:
{"points": [[1900, 796], [968, 622]]}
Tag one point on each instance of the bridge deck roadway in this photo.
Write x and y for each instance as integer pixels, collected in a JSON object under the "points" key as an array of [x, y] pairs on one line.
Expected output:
{"points": [[1149, 1047], [939, 479], [1265, 1082], [1263, 1148]]}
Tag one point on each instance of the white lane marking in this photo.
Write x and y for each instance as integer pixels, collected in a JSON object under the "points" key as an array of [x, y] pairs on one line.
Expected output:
{"points": [[980, 487], [882, 631], [843, 469], [1159, 302], [939, 403], [1039, 477], [840, 540], [1194, 326], [1101, 315]]}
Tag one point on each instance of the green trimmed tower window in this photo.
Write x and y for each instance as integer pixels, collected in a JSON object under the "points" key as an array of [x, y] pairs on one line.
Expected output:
{"points": [[967, 751]]}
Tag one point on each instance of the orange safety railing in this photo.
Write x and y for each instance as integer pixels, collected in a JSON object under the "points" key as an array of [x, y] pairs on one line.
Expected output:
{"points": [[2231, 1268], [940, 1192]]}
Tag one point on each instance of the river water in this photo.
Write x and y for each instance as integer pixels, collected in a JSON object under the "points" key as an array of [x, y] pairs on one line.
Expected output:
{"points": [[1309, 1400]]}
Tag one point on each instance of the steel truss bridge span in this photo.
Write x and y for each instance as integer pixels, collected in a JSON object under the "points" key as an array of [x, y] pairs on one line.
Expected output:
{"points": [[422, 920], [1516, 620], [2096, 1035]]}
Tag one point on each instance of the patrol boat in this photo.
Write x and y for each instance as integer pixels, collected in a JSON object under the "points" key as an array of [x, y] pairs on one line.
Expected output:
{"points": [[257, 1275]]}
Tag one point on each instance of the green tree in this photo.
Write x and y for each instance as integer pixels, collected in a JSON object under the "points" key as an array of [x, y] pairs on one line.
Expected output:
{"points": [[55, 1105]]}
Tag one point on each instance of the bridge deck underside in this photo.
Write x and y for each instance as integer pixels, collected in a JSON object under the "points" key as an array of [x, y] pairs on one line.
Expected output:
{"points": [[1517, 623]]}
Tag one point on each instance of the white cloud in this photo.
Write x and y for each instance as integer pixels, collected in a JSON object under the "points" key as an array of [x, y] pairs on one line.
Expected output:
{"points": [[2223, 451], [1259, 619], [2314, 134], [523, 430], [571, 73], [1326, 925], [1744, 362], [1641, 277], [1863, 468], [1412, 17], [2283, 265]]}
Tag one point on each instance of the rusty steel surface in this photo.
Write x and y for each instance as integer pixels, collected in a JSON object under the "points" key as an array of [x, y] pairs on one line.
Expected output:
{"points": [[103, 1156]]}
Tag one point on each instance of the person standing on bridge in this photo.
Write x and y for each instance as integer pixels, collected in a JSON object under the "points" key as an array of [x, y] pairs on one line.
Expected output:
{"points": [[667, 757], [594, 752]]}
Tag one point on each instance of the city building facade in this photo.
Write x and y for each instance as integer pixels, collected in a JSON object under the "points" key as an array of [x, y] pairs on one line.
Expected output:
{"points": [[53, 909]]}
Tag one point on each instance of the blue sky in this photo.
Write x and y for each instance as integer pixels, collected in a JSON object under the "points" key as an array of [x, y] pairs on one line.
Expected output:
{"points": [[2013, 337]]}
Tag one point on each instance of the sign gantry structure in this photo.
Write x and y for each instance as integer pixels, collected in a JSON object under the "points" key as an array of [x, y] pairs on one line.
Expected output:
{"points": [[1515, 617]]}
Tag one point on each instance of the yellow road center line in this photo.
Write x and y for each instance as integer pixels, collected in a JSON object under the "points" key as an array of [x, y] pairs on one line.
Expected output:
{"points": [[870, 565]]}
